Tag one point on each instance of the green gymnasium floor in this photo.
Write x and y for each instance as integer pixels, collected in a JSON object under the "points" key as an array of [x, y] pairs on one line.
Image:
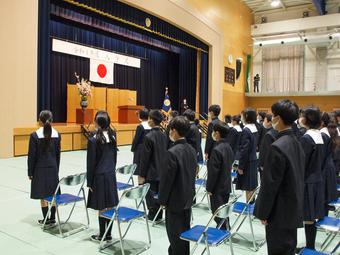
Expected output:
{"points": [[20, 234]]}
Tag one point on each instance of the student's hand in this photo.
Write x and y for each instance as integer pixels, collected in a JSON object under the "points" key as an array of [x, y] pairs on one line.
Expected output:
{"points": [[240, 172], [209, 193], [264, 222], [206, 156], [91, 189], [30, 177], [163, 207], [141, 180]]}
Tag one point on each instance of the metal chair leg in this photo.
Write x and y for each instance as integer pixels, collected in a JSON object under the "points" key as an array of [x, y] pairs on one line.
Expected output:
{"points": [[252, 232], [120, 238], [59, 223]]}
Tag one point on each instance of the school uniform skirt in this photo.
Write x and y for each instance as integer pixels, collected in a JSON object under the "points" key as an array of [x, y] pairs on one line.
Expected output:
{"points": [[104, 194], [44, 183], [314, 201], [248, 181]]}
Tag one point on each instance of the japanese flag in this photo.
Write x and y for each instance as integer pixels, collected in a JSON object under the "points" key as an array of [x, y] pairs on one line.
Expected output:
{"points": [[101, 71]]}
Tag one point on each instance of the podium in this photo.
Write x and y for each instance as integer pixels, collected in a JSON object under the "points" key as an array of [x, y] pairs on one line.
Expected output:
{"points": [[128, 114], [84, 117]]}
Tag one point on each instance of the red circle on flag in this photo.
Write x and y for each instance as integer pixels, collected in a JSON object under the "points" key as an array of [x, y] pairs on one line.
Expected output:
{"points": [[101, 70]]}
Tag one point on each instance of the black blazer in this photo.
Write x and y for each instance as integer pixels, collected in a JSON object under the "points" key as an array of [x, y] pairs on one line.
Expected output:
{"points": [[177, 182], [193, 137], [280, 200], [153, 155], [209, 143], [101, 159], [267, 140], [139, 137], [219, 168]]}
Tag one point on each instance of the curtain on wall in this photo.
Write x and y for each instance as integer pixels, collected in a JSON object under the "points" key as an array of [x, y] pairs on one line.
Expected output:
{"points": [[283, 69], [163, 63]]}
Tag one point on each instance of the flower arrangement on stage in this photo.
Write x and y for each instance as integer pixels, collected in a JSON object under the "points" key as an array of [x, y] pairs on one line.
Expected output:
{"points": [[84, 90]]}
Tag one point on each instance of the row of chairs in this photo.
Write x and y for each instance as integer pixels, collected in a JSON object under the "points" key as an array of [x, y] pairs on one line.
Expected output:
{"points": [[198, 234]]}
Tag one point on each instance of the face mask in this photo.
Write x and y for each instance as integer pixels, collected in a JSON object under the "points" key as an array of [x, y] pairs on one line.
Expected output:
{"points": [[258, 121], [243, 120], [301, 124], [275, 124], [213, 137]]}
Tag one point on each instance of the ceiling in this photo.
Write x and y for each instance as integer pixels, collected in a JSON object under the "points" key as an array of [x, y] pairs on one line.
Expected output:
{"points": [[264, 5]]}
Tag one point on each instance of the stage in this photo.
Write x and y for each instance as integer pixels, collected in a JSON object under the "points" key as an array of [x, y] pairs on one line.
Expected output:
{"points": [[72, 138]]}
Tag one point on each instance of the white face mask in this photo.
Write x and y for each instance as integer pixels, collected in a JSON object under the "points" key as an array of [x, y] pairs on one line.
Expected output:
{"points": [[301, 122], [274, 124], [213, 137], [243, 120]]}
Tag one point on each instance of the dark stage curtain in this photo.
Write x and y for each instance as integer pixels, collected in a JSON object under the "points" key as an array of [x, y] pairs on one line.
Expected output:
{"points": [[169, 66]]}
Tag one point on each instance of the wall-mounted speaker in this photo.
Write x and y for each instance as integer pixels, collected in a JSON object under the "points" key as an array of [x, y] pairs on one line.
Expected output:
{"points": [[238, 67]]}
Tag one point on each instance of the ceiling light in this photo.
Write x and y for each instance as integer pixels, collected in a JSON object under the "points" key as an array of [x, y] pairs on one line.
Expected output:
{"points": [[275, 3]]}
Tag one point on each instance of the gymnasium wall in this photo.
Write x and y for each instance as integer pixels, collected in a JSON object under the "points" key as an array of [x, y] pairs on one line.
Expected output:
{"points": [[234, 19], [18, 72]]}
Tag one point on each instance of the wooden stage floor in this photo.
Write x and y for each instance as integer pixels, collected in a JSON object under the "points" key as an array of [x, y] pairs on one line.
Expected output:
{"points": [[71, 136]]}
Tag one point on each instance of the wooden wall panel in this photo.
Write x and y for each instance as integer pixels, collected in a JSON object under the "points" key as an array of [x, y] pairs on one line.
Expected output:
{"points": [[123, 97], [79, 141], [21, 145], [132, 100], [233, 103], [124, 137], [99, 99], [66, 142], [112, 104]]}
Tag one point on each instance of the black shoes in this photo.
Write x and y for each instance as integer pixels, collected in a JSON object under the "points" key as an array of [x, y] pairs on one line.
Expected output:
{"points": [[98, 238], [48, 222]]}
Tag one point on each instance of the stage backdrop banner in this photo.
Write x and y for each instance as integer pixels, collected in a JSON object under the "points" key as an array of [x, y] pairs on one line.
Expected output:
{"points": [[101, 71], [93, 53]]}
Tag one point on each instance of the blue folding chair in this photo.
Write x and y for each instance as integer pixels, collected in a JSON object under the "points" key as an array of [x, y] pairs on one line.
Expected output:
{"points": [[336, 205], [245, 210], [233, 176], [332, 227], [122, 214], [128, 171], [210, 236], [200, 183], [306, 251], [66, 199]]}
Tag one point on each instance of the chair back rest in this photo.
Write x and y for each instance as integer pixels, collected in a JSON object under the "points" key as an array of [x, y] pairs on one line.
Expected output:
{"points": [[127, 169], [136, 193], [225, 210], [235, 165], [73, 180]]}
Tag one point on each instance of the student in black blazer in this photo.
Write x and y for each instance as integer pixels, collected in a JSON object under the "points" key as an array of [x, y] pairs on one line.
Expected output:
{"points": [[43, 163], [247, 169], [315, 148], [279, 204], [219, 170], [152, 162], [137, 144], [101, 175], [193, 135], [177, 184], [214, 112]]}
